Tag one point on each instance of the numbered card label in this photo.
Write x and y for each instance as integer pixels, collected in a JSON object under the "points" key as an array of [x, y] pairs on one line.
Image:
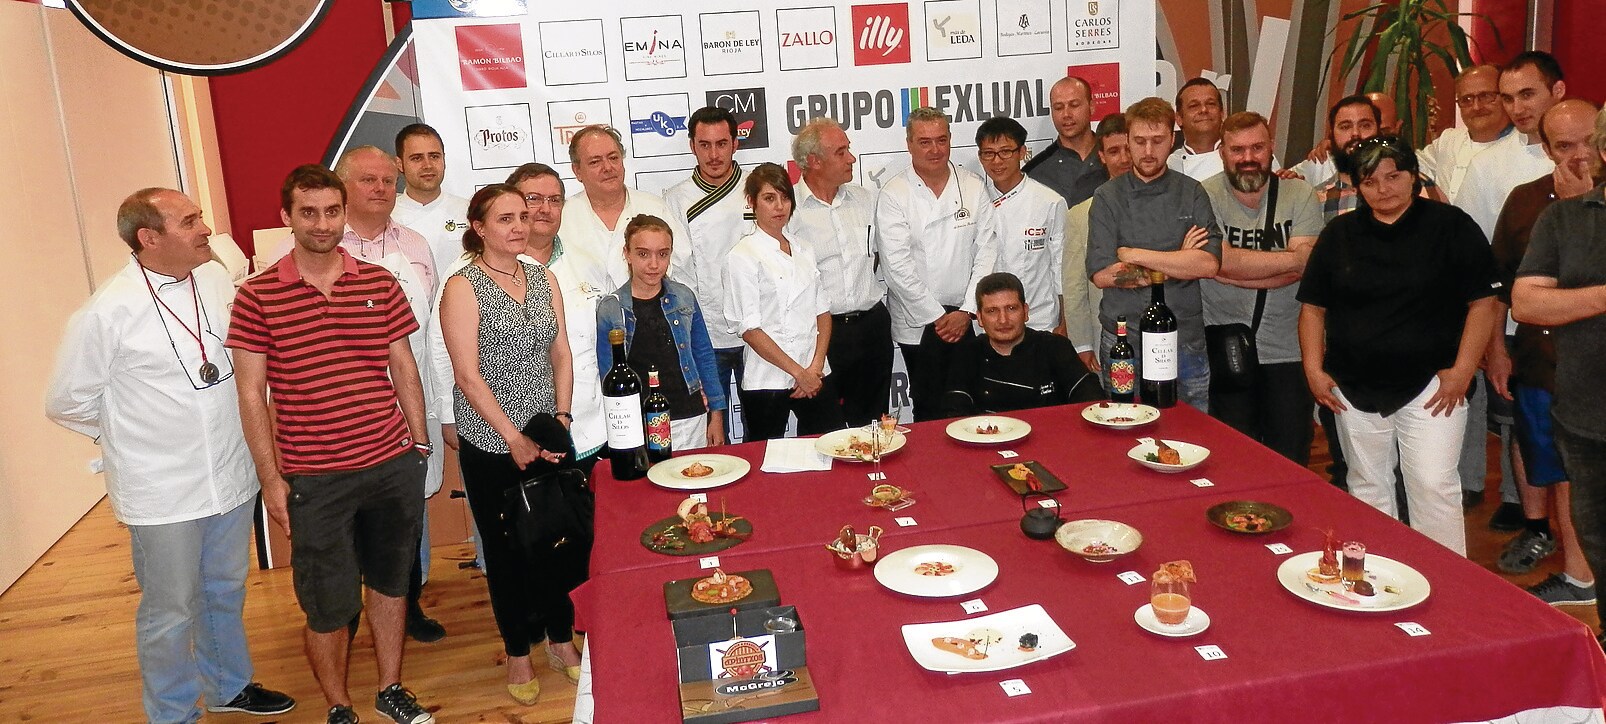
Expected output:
{"points": [[1048, 503], [1210, 652], [1131, 577], [1202, 483], [974, 605], [877, 475], [1006, 454], [1411, 628], [708, 562], [906, 521], [700, 497], [1279, 548], [1015, 687]]}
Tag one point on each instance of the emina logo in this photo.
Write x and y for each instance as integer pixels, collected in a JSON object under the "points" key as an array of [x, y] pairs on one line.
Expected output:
{"points": [[883, 34]]}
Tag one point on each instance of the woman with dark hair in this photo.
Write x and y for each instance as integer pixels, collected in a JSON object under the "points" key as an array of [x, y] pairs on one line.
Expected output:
{"points": [[504, 330], [777, 305], [1398, 305]]}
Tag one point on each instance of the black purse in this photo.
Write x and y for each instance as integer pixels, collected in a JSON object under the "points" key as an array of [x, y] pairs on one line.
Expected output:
{"points": [[1234, 358], [550, 515]]}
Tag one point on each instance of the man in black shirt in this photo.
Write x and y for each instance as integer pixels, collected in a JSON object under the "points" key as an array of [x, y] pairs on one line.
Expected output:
{"points": [[1011, 366], [1069, 164]]}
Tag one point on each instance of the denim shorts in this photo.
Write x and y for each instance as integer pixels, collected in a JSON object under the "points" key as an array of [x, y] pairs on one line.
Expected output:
{"points": [[1540, 457]]}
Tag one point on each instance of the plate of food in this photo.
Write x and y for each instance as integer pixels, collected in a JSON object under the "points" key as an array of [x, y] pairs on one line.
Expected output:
{"points": [[701, 471], [988, 429], [1247, 516], [721, 588], [858, 444], [1028, 476], [994, 642], [1390, 584], [694, 531], [1120, 415], [1168, 456], [935, 571], [1099, 541]]}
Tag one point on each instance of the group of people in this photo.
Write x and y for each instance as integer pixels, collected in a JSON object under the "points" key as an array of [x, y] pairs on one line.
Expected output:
{"points": [[396, 321]]}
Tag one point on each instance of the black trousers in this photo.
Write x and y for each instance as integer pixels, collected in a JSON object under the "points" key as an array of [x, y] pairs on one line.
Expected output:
{"points": [[928, 364], [1274, 410], [766, 412], [861, 362]]}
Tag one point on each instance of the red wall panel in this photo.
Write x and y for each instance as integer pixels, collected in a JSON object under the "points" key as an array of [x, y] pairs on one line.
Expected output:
{"points": [[1576, 43]]}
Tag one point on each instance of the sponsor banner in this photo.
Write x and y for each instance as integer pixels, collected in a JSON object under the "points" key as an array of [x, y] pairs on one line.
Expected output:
{"points": [[881, 34], [658, 124], [1105, 81], [953, 29], [1093, 24], [568, 117], [751, 111], [571, 52], [432, 9], [806, 37], [499, 136], [1024, 27], [654, 48], [732, 43], [491, 56]]}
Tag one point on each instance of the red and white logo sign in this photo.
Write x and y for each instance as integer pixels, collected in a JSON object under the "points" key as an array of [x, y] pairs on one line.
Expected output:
{"points": [[1105, 81], [880, 34], [491, 56]]}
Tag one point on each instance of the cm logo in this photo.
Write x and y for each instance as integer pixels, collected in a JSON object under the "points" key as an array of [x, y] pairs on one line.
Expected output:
{"points": [[751, 111]]}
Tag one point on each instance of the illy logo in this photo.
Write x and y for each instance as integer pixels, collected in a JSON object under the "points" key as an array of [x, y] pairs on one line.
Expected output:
{"points": [[883, 34]]}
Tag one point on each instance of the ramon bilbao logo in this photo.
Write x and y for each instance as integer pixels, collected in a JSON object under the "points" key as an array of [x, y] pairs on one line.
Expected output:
{"points": [[881, 34], [750, 110], [491, 56]]}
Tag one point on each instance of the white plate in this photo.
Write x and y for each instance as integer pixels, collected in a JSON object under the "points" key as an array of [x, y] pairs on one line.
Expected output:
{"points": [[1191, 454], [1196, 622], [1412, 586], [727, 469], [1005, 654], [1009, 429], [828, 443], [973, 570], [1102, 414], [1078, 534]]}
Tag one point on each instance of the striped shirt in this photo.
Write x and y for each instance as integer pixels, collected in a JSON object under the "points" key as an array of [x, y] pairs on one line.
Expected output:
{"points": [[328, 362]]}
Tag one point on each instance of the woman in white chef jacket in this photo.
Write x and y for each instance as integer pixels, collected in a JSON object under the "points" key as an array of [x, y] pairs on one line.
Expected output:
{"points": [[777, 305]]}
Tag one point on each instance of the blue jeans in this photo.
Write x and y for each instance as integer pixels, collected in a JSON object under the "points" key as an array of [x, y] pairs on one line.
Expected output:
{"points": [[189, 630], [1193, 370]]}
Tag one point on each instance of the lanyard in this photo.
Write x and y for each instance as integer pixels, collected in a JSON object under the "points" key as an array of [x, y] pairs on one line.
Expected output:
{"points": [[196, 334]]}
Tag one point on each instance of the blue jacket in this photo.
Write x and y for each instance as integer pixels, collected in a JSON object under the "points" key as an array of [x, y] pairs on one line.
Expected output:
{"points": [[685, 324]]}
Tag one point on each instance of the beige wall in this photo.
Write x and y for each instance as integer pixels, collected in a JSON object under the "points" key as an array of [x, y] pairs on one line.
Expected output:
{"points": [[83, 126]]}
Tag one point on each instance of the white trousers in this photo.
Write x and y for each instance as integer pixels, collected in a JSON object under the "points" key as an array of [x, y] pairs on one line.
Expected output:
{"points": [[690, 433], [1427, 449]]}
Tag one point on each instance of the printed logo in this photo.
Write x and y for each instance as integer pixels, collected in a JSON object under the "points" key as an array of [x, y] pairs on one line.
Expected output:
{"points": [[429, 9], [807, 38], [889, 108], [750, 110], [877, 169], [491, 56], [653, 47], [1093, 24], [1105, 80], [881, 34], [953, 30], [658, 124], [571, 52], [499, 136], [568, 117], [658, 182], [1023, 28], [731, 43]]}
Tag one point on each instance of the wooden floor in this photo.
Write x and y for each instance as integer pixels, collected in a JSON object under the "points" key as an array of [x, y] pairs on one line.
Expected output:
{"points": [[67, 635]]}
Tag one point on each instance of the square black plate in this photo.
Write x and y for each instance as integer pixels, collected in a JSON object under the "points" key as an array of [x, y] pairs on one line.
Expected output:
{"points": [[1050, 483]]}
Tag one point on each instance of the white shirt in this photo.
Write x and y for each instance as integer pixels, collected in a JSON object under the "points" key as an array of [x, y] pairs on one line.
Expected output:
{"points": [[1492, 175], [1448, 158], [1029, 222], [842, 238], [933, 248], [712, 235], [780, 294], [441, 222], [583, 231], [126, 376], [1316, 173], [1199, 165]]}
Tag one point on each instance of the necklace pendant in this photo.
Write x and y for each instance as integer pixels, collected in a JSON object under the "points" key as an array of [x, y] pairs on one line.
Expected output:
{"points": [[209, 373]]}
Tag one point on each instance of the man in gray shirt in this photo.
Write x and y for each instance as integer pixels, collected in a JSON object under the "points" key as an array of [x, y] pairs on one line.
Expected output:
{"points": [[1255, 287], [1157, 220]]}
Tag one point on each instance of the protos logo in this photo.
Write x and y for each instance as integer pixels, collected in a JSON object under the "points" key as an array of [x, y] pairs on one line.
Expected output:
{"points": [[882, 34]]}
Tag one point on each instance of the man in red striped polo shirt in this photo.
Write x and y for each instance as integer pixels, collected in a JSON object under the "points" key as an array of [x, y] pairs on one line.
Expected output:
{"points": [[343, 454]]}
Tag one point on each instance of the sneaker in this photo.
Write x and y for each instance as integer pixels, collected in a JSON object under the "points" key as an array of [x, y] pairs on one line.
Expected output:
{"points": [[423, 629], [254, 699], [1508, 517], [1556, 591], [1523, 553], [401, 706], [341, 715]]}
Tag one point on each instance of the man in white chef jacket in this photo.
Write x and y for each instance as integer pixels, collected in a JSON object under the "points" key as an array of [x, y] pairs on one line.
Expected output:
{"points": [[1030, 220], [423, 206], [935, 228], [594, 220], [143, 371]]}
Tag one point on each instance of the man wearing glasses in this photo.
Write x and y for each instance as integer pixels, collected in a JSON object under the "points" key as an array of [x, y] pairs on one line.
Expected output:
{"points": [[1484, 125], [1029, 219], [143, 371]]}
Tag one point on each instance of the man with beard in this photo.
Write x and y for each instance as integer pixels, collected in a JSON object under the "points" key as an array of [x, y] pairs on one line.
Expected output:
{"points": [[1351, 120], [1484, 125], [1268, 226], [1318, 168], [1081, 297], [1068, 166]]}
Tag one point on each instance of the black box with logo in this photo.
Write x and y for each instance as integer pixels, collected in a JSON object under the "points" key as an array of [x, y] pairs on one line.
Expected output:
{"points": [[717, 696]]}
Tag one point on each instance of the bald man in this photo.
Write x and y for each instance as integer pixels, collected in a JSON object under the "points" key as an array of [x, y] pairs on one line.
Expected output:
{"points": [[1070, 165], [1484, 124]]}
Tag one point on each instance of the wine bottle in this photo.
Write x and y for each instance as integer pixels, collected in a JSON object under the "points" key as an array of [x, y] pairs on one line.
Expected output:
{"points": [[1158, 329], [660, 445], [621, 404], [1123, 369]]}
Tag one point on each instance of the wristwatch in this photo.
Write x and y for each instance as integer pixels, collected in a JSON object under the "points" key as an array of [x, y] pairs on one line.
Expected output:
{"points": [[564, 413], [425, 448]]}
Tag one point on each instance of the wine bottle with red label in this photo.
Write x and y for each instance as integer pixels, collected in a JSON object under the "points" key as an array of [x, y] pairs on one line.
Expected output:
{"points": [[660, 445], [1123, 369]]}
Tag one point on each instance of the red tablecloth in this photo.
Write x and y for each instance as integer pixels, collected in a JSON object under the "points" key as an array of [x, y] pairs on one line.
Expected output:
{"points": [[1494, 650]]}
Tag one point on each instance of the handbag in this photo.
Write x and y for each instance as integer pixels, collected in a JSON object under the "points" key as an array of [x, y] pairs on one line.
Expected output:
{"points": [[550, 514], [1234, 358]]}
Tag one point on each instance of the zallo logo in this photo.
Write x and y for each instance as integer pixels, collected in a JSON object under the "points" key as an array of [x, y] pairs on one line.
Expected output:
{"points": [[881, 34]]}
